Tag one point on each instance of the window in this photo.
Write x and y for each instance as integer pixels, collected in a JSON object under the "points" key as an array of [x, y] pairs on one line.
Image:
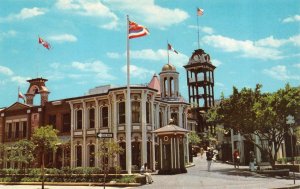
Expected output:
{"points": [[135, 105], [160, 119], [79, 119], [17, 130], [78, 156], [52, 121], [148, 112], [24, 129], [175, 119], [9, 130], [121, 112], [66, 122], [92, 118], [91, 155], [104, 117]]}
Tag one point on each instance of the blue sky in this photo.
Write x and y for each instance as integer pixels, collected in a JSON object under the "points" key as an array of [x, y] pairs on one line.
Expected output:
{"points": [[250, 41]]}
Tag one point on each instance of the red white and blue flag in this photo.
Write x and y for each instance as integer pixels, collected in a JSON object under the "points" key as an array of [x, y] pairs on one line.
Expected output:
{"points": [[136, 30], [44, 43], [200, 12], [171, 48]]}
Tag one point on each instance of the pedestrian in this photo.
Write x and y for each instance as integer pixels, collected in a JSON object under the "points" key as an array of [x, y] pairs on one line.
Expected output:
{"points": [[201, 152], [236, 158], [144, 171], [252, 160], [209, 156]]}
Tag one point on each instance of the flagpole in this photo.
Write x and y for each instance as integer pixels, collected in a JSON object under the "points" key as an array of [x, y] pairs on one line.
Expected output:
{"points": [[128, 108], [198, 27], [18, 92], [168, 52]]}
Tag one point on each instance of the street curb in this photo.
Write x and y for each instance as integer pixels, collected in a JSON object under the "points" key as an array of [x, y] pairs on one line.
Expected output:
{"points": [[288, 187], [71, 184], [191, 165]]}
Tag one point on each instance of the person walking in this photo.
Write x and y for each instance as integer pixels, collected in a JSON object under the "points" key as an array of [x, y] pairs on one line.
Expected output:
{"points": [[144, 171], [236, 158], [252, 160], [209, 156], [201, 152]]}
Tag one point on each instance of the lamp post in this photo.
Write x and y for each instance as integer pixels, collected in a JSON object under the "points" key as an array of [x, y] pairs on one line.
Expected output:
{"points": [[290, 121]]}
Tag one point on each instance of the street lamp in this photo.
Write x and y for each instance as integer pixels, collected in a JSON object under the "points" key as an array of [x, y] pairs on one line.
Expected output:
{"points": [[290, 121]]}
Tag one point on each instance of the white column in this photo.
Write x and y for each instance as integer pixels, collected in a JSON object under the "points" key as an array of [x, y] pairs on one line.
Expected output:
{"points": [[153, 136], [97, 125], [172, 166], [156, 126], [169, 114], [72, 161], [180, 117], [128, 133], [175, 152], [187, 148], [161, 154], [144, 128], [258, 154], [84, 127], [114, 116], [178, 153]]}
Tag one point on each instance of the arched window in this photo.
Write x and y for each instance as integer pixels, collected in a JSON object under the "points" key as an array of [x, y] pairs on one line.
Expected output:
{"points": [[121, 109], [78, 156], [165, 87], [171, 84], [175, 118], [160, 119], [79, 119], [104, 115], [92, 118], [148, 110], [135, 109], [91, 155]]}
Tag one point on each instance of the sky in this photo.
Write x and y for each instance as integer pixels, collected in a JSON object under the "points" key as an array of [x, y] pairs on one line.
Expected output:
{"points": [[249, 41]]}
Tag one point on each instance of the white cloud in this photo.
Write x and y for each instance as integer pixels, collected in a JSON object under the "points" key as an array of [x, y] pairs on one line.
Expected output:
{"points": [[295, 40], [63, 38], [207, 30], [90, 8], [6, 71], [297, 65], [113, 55], [149, 13], [247, 48], [295, 18], [280, 73], [138, 72], [271, 42], [19, 79], [25, 13], [97, 67], [10, 33], [216, 62]]}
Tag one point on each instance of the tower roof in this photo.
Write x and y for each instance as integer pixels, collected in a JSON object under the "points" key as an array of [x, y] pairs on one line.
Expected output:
{"points": [[154, 83], [168, 67], [199, 56]]}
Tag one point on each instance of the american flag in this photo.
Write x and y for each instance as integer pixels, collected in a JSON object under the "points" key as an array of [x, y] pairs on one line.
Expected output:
{"points": [[171, 48], [200, 12], [44, 43]]}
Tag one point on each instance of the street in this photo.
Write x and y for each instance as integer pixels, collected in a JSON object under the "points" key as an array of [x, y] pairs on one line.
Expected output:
{"points": [[221, 176]]}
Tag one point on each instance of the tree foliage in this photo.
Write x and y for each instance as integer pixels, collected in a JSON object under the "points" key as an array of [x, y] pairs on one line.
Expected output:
{"points": [[194, 138], [259, 115]]}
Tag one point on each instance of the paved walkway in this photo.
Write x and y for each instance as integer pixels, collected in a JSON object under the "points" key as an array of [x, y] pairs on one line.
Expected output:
{"points": [[222, 176]]}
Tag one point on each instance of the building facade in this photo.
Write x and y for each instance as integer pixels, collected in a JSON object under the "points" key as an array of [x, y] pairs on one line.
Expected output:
{"points": [[79, 119]]}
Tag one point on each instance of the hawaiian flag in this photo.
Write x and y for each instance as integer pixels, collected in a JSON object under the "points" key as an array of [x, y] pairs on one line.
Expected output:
{"points": [[44, 43], [20, 95], [200, 12], [136, 30], [171, 48]]}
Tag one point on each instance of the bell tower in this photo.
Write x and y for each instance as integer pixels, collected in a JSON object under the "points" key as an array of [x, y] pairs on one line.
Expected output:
{"points": [[200, 81], [37, 86], [169, 82]]}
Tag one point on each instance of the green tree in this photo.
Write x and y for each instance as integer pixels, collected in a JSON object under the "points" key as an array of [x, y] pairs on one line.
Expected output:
{"points": [[107, 152], [45, 139], [260, 115], [194, 139], [22, 152]]}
